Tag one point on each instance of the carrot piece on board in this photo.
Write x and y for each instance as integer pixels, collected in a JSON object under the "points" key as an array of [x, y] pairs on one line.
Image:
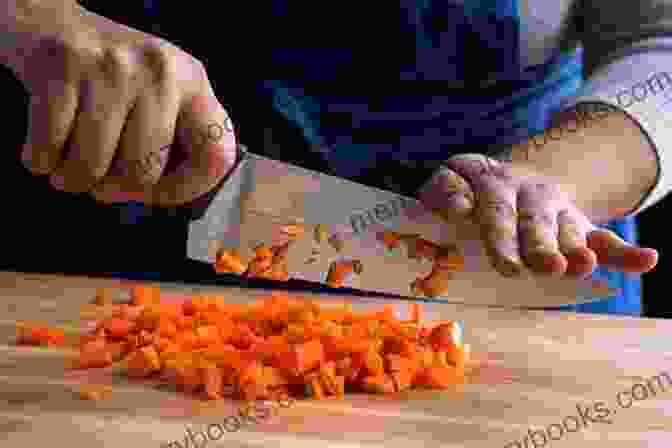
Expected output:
{"points": [[213, 381], [207, 335], [439, 377], [188, 307], [188, 376], [402, 380], [416, 312], [170, 311], [224, 356], [303, 357], [167, 329], [186, 340], [252, 373], [379, 384], [118, 328], [145, 295], [243, 337], [458, 355], [94, 357], [370, 361], [273, 377], [446, 335], [117, 350]]}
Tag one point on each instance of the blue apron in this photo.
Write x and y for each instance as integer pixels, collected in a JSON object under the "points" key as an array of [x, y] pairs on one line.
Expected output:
{"points": [[446, 78]]}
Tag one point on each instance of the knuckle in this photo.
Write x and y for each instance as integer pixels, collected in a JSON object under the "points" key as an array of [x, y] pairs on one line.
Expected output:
{"points": [[160, 62], [115, 64], [533, 219], [495, 232], [497, 208]]}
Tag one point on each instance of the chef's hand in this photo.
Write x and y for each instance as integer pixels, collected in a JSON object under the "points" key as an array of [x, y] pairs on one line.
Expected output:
{"points": [[527, 221], [106, 104]]}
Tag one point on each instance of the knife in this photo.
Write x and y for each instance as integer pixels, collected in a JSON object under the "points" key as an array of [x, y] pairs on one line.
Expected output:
{"points": [[335, 221]]}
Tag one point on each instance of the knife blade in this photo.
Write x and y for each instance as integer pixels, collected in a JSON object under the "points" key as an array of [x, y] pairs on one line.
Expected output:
{"points": [[334, 220]]}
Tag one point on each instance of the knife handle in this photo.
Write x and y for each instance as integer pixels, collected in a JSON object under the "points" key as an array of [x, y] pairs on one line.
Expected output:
{"points": [[196, 209]]}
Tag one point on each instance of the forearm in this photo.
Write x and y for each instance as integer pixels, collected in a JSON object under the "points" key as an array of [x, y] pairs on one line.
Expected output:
{"points": [[602, 159]]}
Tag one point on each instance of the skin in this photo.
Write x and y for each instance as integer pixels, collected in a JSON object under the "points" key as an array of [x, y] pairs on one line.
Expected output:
{"points": [[110, 104], [536, 211]]}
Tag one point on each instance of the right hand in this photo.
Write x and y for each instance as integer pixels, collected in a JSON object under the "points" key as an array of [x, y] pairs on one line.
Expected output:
{"points": [[106, 104]]}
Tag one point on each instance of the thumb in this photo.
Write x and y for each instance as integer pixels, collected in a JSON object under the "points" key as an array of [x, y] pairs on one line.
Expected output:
{"points": [[208, 144], [619, 255], [448, 195]]}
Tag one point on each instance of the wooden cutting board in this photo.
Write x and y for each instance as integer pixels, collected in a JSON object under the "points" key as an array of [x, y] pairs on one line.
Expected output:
{"points": [[532, 371]]}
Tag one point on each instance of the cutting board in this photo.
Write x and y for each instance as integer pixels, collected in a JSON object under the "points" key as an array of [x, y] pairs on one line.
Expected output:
{"points": [[530, 373]]}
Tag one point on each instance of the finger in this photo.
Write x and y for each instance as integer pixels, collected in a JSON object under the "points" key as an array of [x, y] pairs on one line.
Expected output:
{"points": [[144, 148], [94, 139], [619, 255], [495, 212], [538, 230], [581, 260], [447, 194], [51, 114], [208, 160]]}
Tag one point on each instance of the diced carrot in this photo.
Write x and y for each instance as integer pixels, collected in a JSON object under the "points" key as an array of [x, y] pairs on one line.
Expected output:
{"points": [[243, 337], [440, 377], [303, 357], [92, 356], [207, 335], [224, 356], [446, 335], [274, 345], [118, 328], [228, 262], [145, 295], [402, 379], [131, 312], [252, 373], [273, 377], [379, 384], [371, 361], [416, 312], [117, 350], [458, 355], [167, 329], [188, 377], [213, 381]]}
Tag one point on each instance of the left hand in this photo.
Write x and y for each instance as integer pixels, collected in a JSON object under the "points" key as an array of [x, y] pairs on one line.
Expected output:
{"points": [[527, 220]]}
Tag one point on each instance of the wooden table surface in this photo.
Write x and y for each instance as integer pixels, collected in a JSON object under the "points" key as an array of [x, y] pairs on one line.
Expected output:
{"points": [[532, 371]]}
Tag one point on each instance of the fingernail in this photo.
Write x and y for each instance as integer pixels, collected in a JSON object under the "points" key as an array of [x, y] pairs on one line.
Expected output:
{"points": [[58, 182], [509, 266]]}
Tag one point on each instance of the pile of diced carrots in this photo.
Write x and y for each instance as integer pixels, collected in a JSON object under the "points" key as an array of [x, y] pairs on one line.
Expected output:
{"points": [[274, 347]]}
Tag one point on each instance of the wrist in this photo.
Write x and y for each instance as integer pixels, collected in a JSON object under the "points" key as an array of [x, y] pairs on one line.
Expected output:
{"points": [[605, 163], [22, 22]]}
